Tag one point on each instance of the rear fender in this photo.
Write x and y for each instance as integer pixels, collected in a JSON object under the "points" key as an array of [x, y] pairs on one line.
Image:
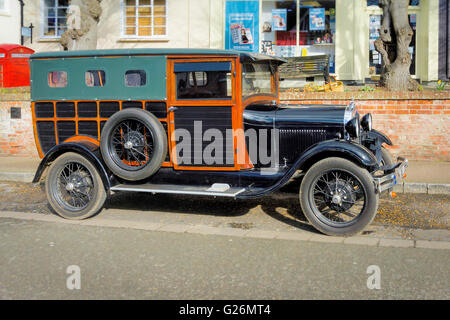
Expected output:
{"points": [[87, 149]]}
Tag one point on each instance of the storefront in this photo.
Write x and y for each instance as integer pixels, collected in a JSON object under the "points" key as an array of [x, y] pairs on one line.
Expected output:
{"points": [[345, 30]]}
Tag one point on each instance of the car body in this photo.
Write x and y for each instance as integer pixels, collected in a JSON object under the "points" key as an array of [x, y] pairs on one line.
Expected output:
{"points": [[198, 122]]}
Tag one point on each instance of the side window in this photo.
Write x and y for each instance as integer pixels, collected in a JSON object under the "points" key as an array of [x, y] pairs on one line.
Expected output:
{"points": [[95, 78], [203, 80], [135, 78], [57, 79]]}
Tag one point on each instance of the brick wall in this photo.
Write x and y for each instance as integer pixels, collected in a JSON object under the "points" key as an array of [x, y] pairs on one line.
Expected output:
{"points": [[16, 135], [418, 123]]}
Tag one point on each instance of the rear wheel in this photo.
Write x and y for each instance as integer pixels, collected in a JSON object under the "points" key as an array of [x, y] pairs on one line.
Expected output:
{"points": [[74, 188], [338, 197]]}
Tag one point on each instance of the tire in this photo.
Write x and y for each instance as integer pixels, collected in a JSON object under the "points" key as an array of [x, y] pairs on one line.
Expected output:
{"points": [[74, 187], [352, 183], [133, 144]]}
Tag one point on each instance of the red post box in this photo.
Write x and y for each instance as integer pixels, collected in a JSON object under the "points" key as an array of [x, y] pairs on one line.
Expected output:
{"points": [[14, 66]]}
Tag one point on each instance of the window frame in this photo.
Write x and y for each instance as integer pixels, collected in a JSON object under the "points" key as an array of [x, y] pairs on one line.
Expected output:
{"points": [[6, 10], [44, 20], [123, 24]]}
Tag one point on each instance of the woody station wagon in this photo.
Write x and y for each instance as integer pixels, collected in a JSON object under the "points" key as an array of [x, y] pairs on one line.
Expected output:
{"points": [[199, 122]]}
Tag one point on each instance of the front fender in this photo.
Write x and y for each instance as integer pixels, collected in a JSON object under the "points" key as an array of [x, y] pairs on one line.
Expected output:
{"points": [[376, 135], [84, 148], [330, 148]]}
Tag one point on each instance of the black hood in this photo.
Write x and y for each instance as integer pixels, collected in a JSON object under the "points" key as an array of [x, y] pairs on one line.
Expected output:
{"points": [[310, 115]]}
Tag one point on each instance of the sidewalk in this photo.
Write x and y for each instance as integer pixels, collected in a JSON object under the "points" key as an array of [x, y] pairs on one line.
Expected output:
{"points": [[422, 176]]}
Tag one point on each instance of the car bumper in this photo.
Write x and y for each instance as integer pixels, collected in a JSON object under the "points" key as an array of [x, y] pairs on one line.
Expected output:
{"points": [[389, 179]]}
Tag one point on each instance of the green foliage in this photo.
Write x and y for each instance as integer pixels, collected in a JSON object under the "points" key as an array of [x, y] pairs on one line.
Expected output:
{"points": [[440, 86], [367, 89]]}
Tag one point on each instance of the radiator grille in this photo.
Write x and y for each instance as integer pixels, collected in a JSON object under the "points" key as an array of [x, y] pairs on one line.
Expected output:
{"points": [[295, 141], [46, 134]]}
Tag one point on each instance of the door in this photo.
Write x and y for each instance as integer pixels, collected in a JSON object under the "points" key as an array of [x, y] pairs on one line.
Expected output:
{"points": [[202, 109]]}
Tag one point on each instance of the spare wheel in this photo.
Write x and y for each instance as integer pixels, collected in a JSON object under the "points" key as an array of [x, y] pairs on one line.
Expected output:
{"points": [[133, 144]]}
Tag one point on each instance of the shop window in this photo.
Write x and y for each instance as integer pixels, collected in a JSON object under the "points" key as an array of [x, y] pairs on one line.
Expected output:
{"points": [[376, 2], [54, 18], [316, 29], [57, 79], [210, 80], [95, 78], [135, 78], [144, 18]]}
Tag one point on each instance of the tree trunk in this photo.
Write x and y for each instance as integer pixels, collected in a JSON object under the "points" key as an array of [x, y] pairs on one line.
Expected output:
{"points": [[82, 20], [395, 37]]}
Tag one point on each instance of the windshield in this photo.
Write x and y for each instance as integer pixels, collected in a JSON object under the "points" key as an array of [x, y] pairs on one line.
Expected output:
{"points": [[257, 79]]}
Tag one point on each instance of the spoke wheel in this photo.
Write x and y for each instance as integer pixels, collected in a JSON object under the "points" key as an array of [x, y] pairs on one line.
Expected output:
{"points": [[338, 197], [74, 188], [131, 144]]}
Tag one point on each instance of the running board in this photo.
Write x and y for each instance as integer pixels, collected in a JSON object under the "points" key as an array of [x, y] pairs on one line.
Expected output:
{"points": [[216, 190]]}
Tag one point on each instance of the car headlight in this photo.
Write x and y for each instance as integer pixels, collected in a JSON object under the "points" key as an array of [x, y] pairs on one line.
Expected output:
{"points": [[352, 127], [366, 122]]}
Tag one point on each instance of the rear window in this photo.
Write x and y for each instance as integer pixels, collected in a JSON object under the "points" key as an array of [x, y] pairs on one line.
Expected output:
{"points": [[95, 78], [135, 78], [57, 79]]}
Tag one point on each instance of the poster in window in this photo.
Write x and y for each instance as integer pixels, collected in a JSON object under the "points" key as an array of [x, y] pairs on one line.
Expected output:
{"points": [[279, 18], [241, 25], [316, 19]]}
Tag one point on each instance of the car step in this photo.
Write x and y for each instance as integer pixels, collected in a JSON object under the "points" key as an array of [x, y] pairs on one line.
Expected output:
{"points": [[217, 189]]}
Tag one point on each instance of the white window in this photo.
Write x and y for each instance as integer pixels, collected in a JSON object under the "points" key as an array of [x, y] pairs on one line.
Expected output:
{"points": [[53, 18], [144, 19], [4, 6]]}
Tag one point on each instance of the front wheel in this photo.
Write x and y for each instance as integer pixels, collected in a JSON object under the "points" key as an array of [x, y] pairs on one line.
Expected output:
{"points": [[74, 188], [338, 197]]}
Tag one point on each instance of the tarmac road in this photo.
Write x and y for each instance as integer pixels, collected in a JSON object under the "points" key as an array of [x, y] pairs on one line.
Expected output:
{"points": [[409, 216], [135, 264]]}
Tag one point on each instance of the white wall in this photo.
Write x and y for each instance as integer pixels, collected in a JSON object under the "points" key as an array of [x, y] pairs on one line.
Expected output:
{"points": [[10, 23]]}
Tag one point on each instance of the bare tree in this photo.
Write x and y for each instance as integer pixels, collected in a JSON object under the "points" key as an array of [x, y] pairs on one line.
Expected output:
{"points": [[393, 43], [82, 20]]}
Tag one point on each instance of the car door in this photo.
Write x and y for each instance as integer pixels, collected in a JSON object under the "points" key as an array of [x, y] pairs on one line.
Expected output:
{"points": [[202, 113]]}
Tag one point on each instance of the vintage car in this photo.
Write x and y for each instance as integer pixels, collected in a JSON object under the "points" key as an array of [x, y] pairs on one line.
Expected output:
{"points": [[199, 122]]}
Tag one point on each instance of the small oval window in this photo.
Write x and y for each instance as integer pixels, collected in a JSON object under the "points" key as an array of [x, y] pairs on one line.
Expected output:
{"points": [[95, 78], [135, 78], [57, 79]]}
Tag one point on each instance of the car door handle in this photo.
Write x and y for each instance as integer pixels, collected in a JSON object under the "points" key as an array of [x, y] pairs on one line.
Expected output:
{"points": [[172, 109]]}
